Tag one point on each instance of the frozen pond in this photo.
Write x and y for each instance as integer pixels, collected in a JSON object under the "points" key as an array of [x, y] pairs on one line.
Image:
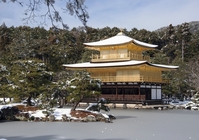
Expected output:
{"points": [[130, 125]]}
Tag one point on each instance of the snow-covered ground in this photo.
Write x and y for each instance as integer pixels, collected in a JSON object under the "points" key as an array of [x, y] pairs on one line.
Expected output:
{"points": [[187, 104], [56, 112], [39, 113], [7, 100]]}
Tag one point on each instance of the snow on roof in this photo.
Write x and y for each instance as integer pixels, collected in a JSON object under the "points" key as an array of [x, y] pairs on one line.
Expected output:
{"points": [[115, 40], [120, 38], [144, 44], [164, 66], [116, 64], [108, 64]]}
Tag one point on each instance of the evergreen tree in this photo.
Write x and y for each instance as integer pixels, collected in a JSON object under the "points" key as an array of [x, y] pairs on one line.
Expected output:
{"points": [[185, 37], [82, 87], [31, 77], [170, 34], [170, 43], [4, 82], [192, 70]]}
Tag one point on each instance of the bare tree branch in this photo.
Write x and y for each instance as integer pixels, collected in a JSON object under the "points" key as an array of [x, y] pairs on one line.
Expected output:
{"points": [[193, 73], [33, 7], [19, 2], [77, 7]]}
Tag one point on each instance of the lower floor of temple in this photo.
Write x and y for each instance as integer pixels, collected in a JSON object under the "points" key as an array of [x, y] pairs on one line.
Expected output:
{"points": [[132, 92]]}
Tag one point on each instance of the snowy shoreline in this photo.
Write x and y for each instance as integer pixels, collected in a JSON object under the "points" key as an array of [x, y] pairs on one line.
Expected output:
{"points": [[130, 124], [64, 114]]}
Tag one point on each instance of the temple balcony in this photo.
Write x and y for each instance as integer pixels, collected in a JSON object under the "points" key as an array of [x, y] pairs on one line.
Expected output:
{"points": [[119, 98], [119, 57], [131, 79]]}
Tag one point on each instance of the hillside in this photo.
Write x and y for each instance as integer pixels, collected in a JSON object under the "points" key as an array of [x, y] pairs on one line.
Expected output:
{"points": [[194, 27]]}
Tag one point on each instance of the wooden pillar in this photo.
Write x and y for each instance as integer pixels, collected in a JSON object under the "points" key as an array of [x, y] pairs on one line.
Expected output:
{"points": [[139, 93], [116, 90]]}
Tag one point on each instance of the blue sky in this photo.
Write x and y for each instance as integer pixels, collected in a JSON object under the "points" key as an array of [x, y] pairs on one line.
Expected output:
{"points": [[128, 14]]}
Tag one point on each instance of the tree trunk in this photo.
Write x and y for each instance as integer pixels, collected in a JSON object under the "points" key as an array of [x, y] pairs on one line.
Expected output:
{"points": [[183, 46], [61, 102], [4, 99], [75, 106], [77, 103], [29, 100]]}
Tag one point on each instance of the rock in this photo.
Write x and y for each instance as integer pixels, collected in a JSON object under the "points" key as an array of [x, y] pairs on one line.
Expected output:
{"points": [[108, 120], [165, 108], [93, 107], [72, 120], [159, 108], [111, 116], [64, 117], [171, 107], [32, 118], [84, 120], [22, 116], [177, 107], [9, 113], [1, 115], [136, 107], [113, 105], [36, 119], [100, 118], [188, 108], [51, 118], [124, 106], [75, 120], [47, 119], [91, 118], [194, 108], [44, 119]]}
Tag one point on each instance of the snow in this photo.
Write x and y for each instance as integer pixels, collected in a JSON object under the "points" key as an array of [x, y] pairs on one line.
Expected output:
{"points": [[144, 44], [186, 104], [164, 66], [109, 64], [120, 38], [10, 105], [115, 40], [38, 113], [57, 112], [116, 64], [6, 99], [105, 116]]}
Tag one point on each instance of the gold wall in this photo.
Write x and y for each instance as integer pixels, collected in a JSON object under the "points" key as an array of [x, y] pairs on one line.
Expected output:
{"points": [[128, 74]]}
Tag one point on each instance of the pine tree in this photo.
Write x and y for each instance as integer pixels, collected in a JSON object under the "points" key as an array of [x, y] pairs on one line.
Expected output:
{"points": [[185, 37], [31, 77], [82, 87]]}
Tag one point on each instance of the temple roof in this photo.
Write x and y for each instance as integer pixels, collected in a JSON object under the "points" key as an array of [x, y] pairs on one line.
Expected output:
{"points": [[116, 64], [119, 39]]}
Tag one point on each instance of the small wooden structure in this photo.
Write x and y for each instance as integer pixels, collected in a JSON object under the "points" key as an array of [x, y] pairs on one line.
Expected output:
{"points": [[126, 73]]}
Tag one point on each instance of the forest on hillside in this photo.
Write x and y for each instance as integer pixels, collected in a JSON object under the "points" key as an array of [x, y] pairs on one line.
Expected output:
{"points": [[31, 58]]}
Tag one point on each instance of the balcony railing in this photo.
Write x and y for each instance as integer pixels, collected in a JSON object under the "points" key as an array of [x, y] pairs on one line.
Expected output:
{"points": [[131, 79], [119, 98], [112, 97], [119, 56]]}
